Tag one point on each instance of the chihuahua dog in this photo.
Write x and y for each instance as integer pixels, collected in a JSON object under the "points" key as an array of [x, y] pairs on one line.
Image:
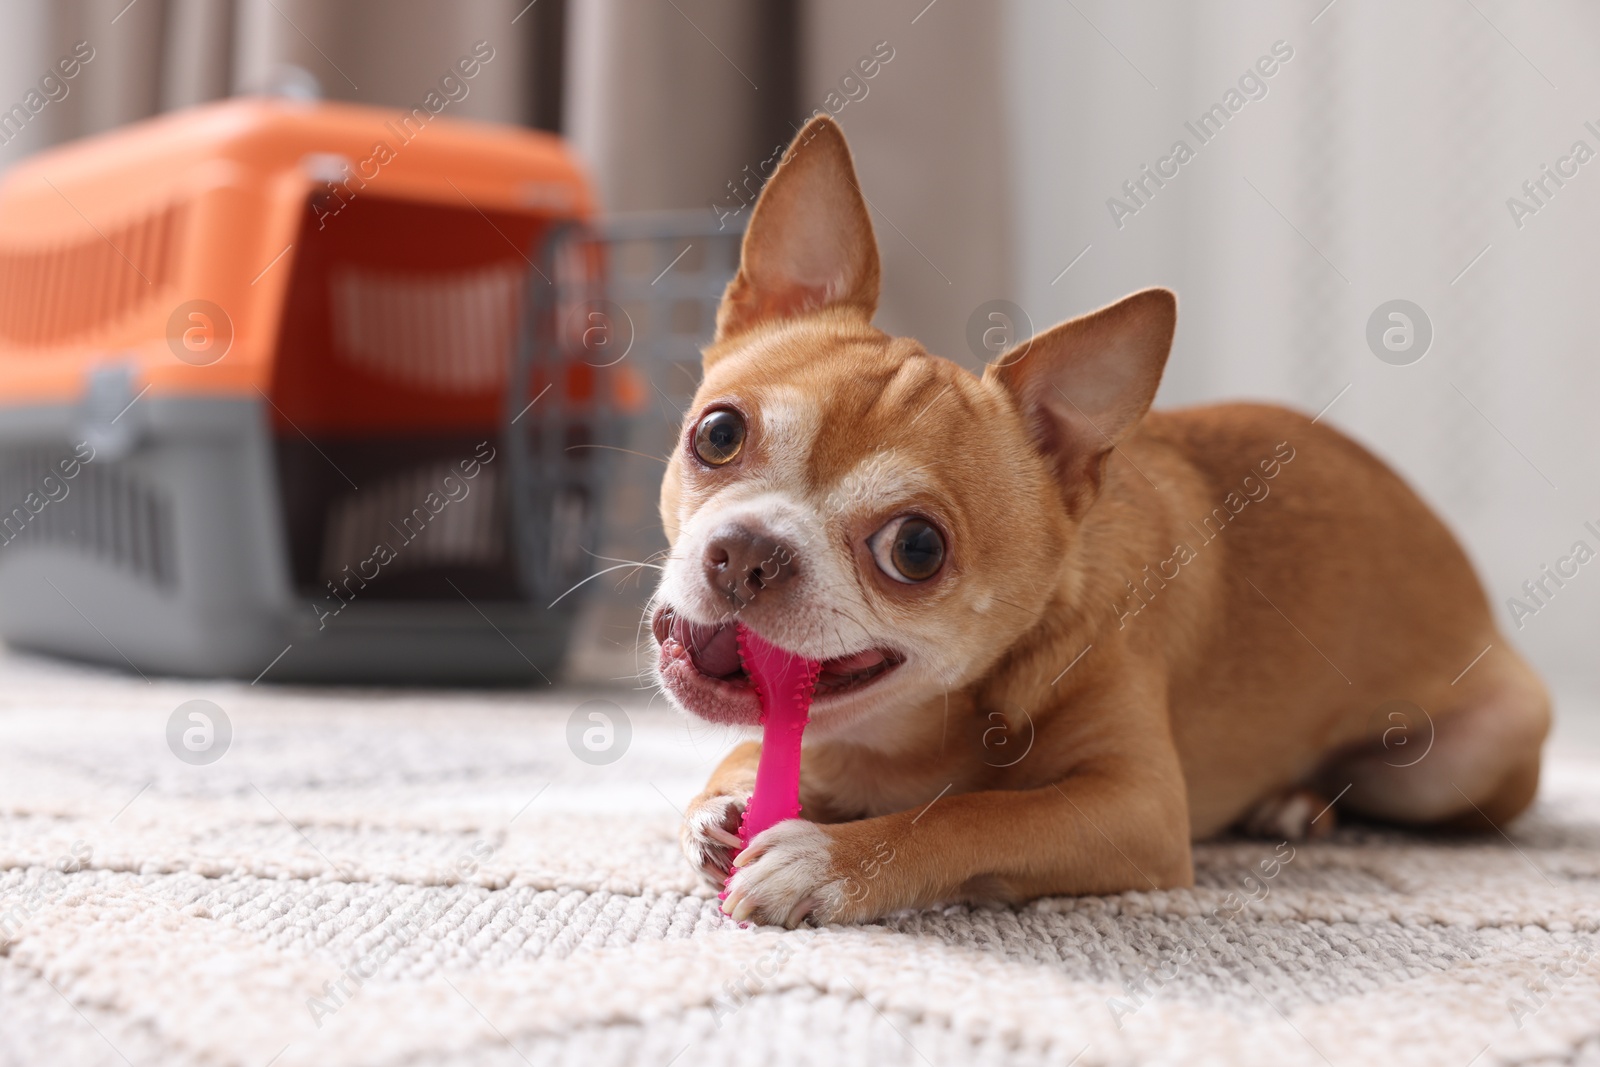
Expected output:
{"points": [[1062, 636]]}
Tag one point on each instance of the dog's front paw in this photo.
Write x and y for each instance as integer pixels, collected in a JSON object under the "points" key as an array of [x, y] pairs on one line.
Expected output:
{"points": [[710, 834], [789, 873]]}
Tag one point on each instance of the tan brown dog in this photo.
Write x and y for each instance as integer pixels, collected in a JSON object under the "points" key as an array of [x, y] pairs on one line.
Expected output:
{"points": [[1062, 637]]}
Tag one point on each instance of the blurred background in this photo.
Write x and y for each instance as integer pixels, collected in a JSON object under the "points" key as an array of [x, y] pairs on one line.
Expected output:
{"points": [[1337, 156]]}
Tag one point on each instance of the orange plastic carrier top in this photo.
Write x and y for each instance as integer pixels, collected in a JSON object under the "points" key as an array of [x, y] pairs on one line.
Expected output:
{"points": [[104, 242]]}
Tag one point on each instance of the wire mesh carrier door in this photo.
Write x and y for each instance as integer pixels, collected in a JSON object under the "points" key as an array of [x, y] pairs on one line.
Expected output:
{"points": [[561, 415], [609, 356], [629, 299]]}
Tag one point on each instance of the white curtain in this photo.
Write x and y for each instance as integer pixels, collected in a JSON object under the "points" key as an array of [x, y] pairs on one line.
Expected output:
{"points": [[1376, 167]]}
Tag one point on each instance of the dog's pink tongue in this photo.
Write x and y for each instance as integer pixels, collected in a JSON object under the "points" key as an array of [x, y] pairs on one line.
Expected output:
{"points": [[714, 649], [784, 683]]}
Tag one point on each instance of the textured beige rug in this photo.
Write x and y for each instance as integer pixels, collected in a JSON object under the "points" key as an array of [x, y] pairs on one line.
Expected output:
{"points": [[436, 878]]}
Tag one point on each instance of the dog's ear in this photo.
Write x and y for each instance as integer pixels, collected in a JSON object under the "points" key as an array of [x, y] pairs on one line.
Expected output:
{"points": [[809, 243], [1083, 385]]}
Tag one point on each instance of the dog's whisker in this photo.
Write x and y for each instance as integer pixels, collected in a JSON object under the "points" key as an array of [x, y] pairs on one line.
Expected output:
{"points": [[663, 460], [865, 632], [634, 562], [1013, 604], [592, 577]]}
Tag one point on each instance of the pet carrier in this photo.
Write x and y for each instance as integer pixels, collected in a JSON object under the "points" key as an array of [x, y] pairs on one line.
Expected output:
{"points": [[305, 390]]}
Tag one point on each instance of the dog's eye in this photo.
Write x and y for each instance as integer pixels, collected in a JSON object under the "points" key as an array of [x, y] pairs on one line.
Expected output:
{"points": [[908, 549], [719, 437]]}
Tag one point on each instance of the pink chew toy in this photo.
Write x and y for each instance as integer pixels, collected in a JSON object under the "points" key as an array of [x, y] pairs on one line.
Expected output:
{"points": [[784, 682]]}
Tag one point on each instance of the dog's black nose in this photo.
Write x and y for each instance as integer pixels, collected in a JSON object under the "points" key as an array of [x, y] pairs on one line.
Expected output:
{"points": [[740, 562]]}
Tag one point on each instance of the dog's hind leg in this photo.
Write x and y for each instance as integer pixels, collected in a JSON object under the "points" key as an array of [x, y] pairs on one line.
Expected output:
{"points": [[1472, 763], [1296, 814]]}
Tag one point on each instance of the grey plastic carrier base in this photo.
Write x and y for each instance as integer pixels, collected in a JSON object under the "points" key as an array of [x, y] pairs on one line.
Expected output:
{"points": [[172, 560]]}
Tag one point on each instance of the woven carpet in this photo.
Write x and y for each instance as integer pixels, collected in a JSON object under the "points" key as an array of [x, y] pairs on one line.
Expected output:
{"points": [[436, 878]]}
